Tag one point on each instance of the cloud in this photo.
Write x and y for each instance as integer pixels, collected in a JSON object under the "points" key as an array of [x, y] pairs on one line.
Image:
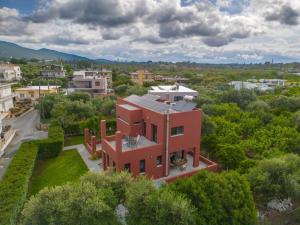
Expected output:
{"points": [[159, 29], [286, 15], [99, 12], [10, 23]]}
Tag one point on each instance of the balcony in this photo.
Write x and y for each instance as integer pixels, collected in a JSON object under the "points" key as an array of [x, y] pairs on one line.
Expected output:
{"points": [[132, 143]]}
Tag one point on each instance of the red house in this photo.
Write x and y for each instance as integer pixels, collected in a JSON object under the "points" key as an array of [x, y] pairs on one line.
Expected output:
{"points": [[154, 138]]}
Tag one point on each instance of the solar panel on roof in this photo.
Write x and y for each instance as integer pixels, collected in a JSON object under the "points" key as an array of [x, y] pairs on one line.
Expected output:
{"points": [[144, 101]]}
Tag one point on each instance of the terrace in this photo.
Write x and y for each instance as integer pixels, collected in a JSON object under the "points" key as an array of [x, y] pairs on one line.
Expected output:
{"points": [[131, 143]]}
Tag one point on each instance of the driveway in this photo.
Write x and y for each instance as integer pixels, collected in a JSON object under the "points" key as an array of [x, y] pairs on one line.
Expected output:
{"points": [[25, 127]]}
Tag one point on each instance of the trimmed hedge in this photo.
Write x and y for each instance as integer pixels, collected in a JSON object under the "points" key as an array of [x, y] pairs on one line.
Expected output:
{"points": [[77, 128], [52, 146], [14, 185]]}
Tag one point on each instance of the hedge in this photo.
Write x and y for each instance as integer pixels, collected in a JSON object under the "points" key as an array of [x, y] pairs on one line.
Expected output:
{"points": [[77, 128], [52, 146], [15, 182]]}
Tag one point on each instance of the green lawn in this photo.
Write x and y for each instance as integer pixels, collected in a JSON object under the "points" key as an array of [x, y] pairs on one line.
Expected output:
{"points": [[74, 140], [68, 166]]}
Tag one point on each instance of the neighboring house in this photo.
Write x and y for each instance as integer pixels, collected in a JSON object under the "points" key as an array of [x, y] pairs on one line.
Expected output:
{"points": [[53, 71], [141, 76], [153, 138], [6, 98], [10, 72], [173, 93], [273, 82], [96, 82], [34, 92], [176, 79], [261, 84]]}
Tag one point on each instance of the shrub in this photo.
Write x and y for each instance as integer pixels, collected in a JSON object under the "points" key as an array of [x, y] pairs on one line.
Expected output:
{"points": [[52, 146], [14, 186]]}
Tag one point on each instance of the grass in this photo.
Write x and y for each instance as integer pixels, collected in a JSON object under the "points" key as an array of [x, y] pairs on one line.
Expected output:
{"points": [[74, 140], [68, 166]]}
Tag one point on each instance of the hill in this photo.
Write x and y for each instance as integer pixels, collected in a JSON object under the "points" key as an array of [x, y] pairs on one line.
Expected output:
{"points": [[8, 50]]}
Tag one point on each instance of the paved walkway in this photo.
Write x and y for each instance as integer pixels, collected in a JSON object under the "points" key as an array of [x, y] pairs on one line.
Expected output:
{"points": [[26, 130], [93, 165]]}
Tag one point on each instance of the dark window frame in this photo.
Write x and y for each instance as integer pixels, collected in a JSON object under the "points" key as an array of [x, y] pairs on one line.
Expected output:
{"points": [[154, 132], [127, 167], [159, 160], [142, 166], [177, 130]]}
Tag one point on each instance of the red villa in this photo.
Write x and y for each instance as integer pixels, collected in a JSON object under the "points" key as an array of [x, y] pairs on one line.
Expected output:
{"points": [[153, 138]]}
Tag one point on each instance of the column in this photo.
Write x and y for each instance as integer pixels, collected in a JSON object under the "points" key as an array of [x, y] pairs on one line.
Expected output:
{"points": [[104, 160], [196, 157], [93, 144], [103, 129], [86, 135]]}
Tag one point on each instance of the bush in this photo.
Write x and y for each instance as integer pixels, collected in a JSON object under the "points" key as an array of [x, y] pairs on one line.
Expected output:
{"points": [[52, 146], [14, 186]]}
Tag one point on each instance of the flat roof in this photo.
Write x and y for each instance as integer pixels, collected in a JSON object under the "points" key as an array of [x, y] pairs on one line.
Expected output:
{"points": [[147, 102], [129, 107], [43, 88], [171, 88]]}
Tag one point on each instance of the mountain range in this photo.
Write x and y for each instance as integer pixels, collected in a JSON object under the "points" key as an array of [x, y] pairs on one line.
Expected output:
{"points": [[11, 50]]}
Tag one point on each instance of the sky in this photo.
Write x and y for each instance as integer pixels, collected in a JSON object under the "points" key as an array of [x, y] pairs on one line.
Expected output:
{"points": [[203, 31]]}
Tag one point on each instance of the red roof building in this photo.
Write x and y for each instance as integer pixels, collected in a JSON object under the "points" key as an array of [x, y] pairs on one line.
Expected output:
{"points": [[159, 140]]}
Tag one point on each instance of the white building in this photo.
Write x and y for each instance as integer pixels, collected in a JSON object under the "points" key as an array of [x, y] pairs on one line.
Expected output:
{"points": [[53, 71], [96, 82], [273, 82], [238, 85], [172, 93], [10, 72], [34, 92], [6, 98]]}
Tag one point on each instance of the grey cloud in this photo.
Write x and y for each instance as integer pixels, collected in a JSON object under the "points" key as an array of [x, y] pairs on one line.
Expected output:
{"points": [[65, 40], [95, 12], [217, 41], [286, 15], [173, 30], [152, 39]]}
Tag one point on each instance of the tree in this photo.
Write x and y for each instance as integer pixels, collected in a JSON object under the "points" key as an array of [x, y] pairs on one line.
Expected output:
{"points": [[147, 206], [79, 96], [47, 103], [136, 90], [223, 198], [230, 156], [117, 182], [69, 111], [276, 178], [259, 106], [71, 205], [242, 97], [121, 89]]}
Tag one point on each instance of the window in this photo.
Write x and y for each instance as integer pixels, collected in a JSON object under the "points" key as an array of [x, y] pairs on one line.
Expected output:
{"points": [[127, 167], [142, 166], [154, 133], [176, 130], [178, 98], [159, 160], [97, 83]]}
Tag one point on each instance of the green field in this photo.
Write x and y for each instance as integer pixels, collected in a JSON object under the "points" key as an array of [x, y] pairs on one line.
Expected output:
{"points": [[68, 166], [74, 140]]}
